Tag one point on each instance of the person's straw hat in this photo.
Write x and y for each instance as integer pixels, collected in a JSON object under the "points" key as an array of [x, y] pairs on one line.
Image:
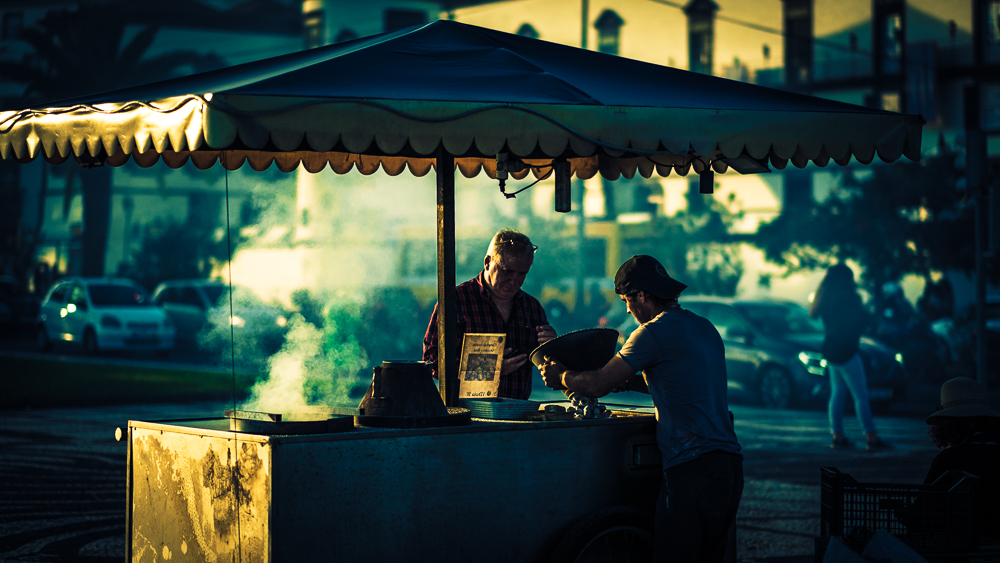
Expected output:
{"points": [[963, 397]]}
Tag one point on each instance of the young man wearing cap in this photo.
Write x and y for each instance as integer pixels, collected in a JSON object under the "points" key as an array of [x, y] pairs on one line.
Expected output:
{"points": [[493, 302], [683, 364], [968, 432]]}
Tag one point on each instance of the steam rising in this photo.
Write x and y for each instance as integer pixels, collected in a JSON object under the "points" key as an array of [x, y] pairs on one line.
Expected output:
{"points": [[328, 256], [302, 374]]}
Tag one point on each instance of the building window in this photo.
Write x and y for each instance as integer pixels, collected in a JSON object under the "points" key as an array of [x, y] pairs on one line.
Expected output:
{"points": [[892, 44], [401, 19], [315, 29], [12, 24], [608, 26], [700, 47], [991, 31], [798, 40], [892, 101], [701, 34]]}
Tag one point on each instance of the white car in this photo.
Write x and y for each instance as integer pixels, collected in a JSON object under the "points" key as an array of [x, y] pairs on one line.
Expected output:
{"points": [[103, 314]]}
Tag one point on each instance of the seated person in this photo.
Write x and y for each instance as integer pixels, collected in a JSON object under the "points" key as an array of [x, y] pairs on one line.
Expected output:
{"points": [[968, 433]]}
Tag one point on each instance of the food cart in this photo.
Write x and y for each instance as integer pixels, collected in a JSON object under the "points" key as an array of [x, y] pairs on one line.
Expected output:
{"points": [[442, 96], [493, 490]]}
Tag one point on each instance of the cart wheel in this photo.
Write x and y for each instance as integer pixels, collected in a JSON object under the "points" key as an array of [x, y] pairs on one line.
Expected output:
{"points": [[619, 533]]}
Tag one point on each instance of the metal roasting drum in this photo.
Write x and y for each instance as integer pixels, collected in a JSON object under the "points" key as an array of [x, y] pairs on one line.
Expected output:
{"points": [[580, 350]]}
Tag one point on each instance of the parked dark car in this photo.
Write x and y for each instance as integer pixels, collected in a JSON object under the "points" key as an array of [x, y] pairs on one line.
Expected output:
{"points": [[18, 308], [773, 354], [198, 305]]}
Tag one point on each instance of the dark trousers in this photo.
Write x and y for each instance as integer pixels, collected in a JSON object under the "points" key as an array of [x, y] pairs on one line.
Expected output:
{"points": [[697, 507]]}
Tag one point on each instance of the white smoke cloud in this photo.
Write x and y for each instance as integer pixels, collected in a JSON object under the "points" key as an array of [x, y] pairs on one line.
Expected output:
{"points": [[332, 251]]}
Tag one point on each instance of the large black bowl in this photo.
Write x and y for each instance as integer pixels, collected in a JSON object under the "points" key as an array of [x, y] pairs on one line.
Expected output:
{"points": [[580, 350]]}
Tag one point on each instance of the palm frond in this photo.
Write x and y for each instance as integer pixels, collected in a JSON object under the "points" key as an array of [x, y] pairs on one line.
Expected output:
{"points": [[137, 47]]}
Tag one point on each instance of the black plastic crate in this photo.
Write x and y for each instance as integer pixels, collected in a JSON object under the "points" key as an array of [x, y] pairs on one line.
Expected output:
{"points": [[942, 516]]}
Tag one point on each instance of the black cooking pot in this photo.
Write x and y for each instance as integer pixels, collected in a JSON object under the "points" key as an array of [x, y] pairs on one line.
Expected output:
{"points": [[402, 388], [403, 395], [580, 350]]}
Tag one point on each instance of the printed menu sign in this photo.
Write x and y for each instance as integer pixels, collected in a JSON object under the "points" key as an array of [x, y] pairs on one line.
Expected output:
{"points": [[479, 369]]}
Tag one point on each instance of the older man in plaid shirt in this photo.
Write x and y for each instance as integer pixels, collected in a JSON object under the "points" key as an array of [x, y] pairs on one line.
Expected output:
{"points": [[493, 302]]}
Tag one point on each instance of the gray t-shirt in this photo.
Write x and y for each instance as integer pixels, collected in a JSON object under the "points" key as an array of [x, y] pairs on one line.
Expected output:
{"points": [[683, 359]]}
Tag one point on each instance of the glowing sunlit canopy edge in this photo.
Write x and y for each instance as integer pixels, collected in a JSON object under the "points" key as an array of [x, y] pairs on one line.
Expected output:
{"points": [[404, 134]]}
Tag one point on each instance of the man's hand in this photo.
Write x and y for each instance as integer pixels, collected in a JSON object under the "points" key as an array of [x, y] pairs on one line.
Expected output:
{"points": [[512, 363], [552, 371], [545, 333]]}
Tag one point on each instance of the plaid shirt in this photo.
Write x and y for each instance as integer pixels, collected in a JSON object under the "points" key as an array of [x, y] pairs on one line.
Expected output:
{"points": [[478, 314]]}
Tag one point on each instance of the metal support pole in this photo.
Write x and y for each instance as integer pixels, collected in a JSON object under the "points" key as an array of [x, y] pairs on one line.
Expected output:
{"points": [[581, 241], [584, 16], [980, 225], [447, 314], [975, 175]]}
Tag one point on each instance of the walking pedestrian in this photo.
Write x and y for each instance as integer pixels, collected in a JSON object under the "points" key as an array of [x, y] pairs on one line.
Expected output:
{"points": [[844, 318]]}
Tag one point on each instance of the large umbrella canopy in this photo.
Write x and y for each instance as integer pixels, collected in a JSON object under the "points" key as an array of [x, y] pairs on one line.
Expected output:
{"points": [[393, 100], [447, 94]]}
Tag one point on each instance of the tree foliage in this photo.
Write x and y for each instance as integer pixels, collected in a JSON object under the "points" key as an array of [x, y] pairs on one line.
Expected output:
{"points": [[695, 246], [907, 218], [173, 250], [84, 51], [89, 50]]}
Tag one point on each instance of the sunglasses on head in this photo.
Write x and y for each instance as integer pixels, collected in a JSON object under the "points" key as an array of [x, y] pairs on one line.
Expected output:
{"points": [[519, 244]]}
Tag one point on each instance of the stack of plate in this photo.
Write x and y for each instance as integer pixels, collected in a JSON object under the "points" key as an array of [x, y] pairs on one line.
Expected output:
{"points": [[500, 408]]}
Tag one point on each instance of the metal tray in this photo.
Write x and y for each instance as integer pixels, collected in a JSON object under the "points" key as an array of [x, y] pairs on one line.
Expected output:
{"points": [[501, 408]]}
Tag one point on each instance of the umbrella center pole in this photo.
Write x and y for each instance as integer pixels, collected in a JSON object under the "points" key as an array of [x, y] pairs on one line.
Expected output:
{"points": [[447, 314]]}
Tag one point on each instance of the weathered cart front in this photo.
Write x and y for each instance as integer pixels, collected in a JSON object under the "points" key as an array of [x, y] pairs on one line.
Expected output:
{"points": [[490, 491]]}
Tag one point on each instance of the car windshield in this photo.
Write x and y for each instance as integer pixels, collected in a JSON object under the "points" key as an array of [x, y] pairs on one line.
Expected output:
{"points": [[118, 295], [779, 320], [213, 293], [219, 295]]}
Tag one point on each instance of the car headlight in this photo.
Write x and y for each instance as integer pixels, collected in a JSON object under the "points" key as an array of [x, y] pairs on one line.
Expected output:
{"points": [[814, 362], [110, 321], [281, 321], [899, 358], [236, 321]]}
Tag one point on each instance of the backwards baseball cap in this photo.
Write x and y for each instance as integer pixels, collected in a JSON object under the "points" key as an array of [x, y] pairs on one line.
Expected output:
{"points": [[645, 273]]}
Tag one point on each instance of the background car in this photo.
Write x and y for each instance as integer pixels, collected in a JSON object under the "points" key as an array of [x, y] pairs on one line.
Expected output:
{"points": [[18, 308], [199, 305], [103, 314], [773, 354]]}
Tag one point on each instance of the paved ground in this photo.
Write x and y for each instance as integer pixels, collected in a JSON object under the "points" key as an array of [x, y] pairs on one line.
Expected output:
{"points": [[62, 496]]}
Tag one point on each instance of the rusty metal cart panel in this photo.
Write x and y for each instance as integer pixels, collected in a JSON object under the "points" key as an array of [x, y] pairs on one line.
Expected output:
{"points": [[491, 491]]}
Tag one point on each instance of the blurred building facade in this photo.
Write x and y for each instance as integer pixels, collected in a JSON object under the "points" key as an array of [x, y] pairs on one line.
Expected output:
{"points": [[42, 211], [916, 56]]}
